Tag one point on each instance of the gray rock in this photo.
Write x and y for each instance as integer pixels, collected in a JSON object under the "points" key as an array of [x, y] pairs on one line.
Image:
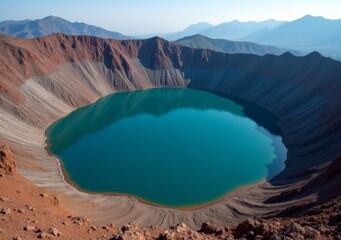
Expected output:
{"points": [[5, 211], [54, 232], [311, 233], [295, 228], [44, 235], [29, 228], [4, 199]]}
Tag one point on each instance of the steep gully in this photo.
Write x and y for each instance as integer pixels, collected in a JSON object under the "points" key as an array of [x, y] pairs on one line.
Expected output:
{"points": [[43, 79]]}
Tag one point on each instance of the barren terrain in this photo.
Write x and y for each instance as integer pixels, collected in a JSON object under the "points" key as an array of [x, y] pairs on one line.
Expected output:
{"points": [[44, 79]]}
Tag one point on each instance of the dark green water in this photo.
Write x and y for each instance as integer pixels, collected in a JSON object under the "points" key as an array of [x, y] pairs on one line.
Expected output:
{"points": [[173, 147]]}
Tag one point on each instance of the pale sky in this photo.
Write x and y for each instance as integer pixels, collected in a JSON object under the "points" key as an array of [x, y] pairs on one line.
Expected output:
{"points": [[134, 17]]}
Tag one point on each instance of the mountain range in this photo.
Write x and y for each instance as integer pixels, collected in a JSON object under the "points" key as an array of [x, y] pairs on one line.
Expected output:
{"points": [[226, 46], [50, 25], [306, 34], [229, 30]]}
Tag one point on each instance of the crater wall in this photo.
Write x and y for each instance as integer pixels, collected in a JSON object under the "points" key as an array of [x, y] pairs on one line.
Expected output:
{"points": [[43, 79]]}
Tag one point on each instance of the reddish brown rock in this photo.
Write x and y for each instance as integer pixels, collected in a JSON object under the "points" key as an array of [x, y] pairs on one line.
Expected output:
{"points": [[208, 228], [7, 163], [182, 232]]}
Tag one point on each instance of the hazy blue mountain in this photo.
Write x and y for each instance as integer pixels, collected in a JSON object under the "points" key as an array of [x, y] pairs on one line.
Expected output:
{"points": [[222, 45], [228, 30], [305, 34], [235, 30], [50, 25], [189, 31]]}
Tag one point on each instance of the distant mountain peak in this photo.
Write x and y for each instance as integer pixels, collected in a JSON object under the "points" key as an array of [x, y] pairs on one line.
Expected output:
{"points": [[52, 24], [48, 17], [287, 54], [198, 35], [199, 25], [51, 18], [311, 17], [315, 54]]}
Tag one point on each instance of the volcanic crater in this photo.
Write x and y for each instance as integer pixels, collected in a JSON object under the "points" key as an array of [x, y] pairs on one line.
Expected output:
{"points": [[44, 79]]}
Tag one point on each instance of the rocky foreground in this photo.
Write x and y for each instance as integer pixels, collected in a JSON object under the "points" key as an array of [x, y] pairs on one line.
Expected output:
{"points": [[30, 212]]}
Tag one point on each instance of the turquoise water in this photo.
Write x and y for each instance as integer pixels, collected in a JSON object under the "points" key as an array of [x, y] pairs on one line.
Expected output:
{"points": [[169, 146]]}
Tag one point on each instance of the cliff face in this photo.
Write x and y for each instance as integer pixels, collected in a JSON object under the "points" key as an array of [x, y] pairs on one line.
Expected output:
{"points": [[22, 59], [43, 79]]}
